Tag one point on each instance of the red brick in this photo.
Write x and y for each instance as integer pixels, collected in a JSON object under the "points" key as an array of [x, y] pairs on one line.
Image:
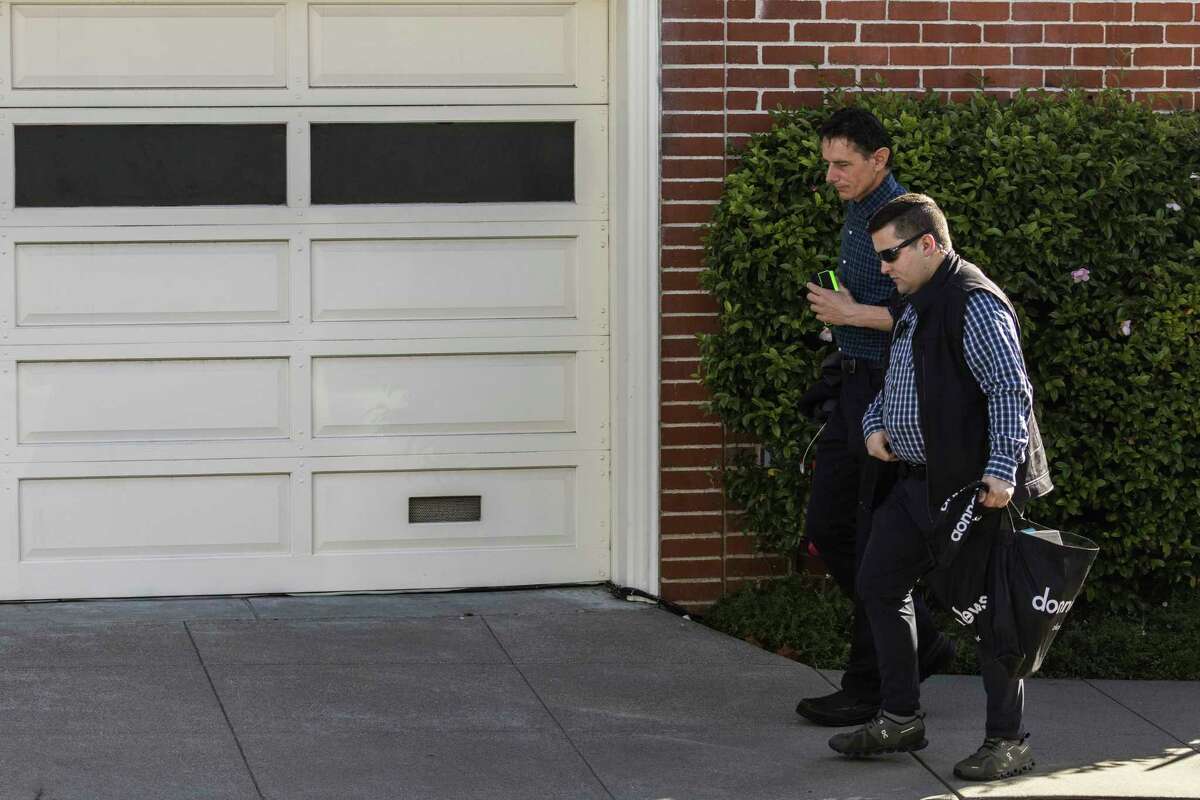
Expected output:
{"points": [[693, 32], [981, 56], [1042, 56], [693, 101], [792, 9], [692, 9], [889, 33], [758, 31], [1074, 34], [1134, 34], [1183, 34], [749, 123], [740, 9], [692, 146], [689, 480], [691, 592], [740, 544], [905, 9], [874, 54], [792, 99], [691, 547], [1162, 57], [757, 566], [966, 97], [742, 101], [683, 392], [758, 78], [679, 78], [673, 214], [1041, 12], [679, 259], [1166, 101], [684, 371], [1012, 34], [1016, 78], [920, 56], [1163, 12], [793, 54], [953, 32], [1075, 78], [952, 78], [685, 325], [687, 435], [1183, 78], [693, 123], [691, 236], [691, 457], [1196, 55], [820, 78], [980, 12], [1102, 56], [692, 524], [823, 32], [856, 9], [1134, 79], [892, 78], [1103, 12], [741, 54], [693, 54], [690, 501], [682, 190]]}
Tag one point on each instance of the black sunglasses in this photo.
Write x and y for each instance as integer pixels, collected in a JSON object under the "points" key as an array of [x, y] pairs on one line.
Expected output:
{"points": [[892, 253]]}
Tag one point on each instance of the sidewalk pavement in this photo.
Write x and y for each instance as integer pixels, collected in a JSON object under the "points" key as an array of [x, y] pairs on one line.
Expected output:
{"points": [[557, 693]]}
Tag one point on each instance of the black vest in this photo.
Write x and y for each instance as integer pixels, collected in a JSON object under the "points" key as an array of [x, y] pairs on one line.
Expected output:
{"points": [[954, 412]]}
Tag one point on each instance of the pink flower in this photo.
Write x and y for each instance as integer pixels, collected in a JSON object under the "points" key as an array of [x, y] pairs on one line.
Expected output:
{"points": [[1080, 275], [1127, 327]]}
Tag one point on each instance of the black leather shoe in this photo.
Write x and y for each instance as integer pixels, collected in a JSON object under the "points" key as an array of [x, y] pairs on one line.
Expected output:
{"points": [[837, 710], [939, 658]]}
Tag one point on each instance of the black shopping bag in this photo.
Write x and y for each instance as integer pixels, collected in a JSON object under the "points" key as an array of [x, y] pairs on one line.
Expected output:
{"points": [[961, 548], [1035, 575]]}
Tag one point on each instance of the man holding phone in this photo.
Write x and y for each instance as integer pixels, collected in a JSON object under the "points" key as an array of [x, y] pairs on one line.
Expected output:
{"points": [[857, 149]]}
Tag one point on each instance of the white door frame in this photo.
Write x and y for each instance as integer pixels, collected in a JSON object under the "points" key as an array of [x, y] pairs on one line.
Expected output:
{"points": [[635, 111]]}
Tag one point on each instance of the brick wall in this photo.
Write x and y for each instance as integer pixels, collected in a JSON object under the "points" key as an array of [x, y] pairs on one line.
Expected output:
{"points": [[726, 62]]}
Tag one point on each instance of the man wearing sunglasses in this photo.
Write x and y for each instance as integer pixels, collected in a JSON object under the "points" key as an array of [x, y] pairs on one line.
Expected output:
{"points": [[858, 152], [956, 408]]}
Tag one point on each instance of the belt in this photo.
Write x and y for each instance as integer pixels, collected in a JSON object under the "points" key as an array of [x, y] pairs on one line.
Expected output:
{"points": [[853, 365], [907, 470]]}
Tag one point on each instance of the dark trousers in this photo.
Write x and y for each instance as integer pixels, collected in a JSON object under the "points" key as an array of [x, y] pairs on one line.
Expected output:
{"points": [[844, 479], [896, 556]]}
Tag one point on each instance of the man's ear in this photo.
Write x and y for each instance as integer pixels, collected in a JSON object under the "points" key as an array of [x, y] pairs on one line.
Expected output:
{"points": [[880, 157]]}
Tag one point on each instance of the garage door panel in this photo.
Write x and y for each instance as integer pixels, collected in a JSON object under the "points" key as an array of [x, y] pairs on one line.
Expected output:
{"points": [[130, 46], [122, 283], [113, 401], [354, 511], [164, 517], [456, 45]]}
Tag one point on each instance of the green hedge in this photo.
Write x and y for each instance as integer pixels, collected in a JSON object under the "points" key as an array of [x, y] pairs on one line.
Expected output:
{"points": [[1035, 190]]}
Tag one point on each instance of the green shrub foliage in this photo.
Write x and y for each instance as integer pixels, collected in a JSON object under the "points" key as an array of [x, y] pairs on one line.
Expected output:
{"points": [[1040, 191]]}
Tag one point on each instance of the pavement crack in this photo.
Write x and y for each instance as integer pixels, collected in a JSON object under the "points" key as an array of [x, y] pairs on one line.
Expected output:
{"points": [[549, 713], [228, 723], [1138, 714]]}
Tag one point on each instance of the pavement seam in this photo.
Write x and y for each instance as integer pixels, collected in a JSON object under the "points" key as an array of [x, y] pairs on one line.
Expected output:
{"points": [[549, 713], [1140, 715], [213, 688]]}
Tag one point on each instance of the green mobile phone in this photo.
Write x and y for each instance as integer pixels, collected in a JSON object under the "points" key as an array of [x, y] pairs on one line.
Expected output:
{"points": [[827, 279]]}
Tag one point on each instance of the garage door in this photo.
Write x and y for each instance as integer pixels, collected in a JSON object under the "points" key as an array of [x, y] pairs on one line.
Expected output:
{"points": [[302, 297]]}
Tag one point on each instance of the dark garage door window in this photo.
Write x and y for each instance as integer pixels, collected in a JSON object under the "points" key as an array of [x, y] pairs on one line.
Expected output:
{"points": [[150, 165], [443, 162]]}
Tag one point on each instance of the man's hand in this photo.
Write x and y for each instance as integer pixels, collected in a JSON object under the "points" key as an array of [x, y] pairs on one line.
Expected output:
{"points": [[880, 446], [833, 308], [998, 492]]}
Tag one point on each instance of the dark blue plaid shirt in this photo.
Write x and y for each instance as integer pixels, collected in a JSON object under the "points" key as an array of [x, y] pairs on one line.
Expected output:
{"points": [[859, 270], [993, 351]]}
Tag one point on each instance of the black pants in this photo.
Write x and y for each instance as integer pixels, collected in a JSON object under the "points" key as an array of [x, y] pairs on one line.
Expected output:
{"points": [[843, 482], [896, 556]]}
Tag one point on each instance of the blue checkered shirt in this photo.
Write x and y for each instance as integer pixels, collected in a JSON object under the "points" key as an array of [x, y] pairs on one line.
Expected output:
{"points": [[993, 352], [859, 270]]}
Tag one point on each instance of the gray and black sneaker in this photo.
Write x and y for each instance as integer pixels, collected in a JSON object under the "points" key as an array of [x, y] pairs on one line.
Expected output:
{"points": [[997, 758], [883, 734]]}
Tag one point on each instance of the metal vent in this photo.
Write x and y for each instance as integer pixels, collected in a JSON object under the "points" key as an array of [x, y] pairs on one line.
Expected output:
{"points": [[467, 508]]}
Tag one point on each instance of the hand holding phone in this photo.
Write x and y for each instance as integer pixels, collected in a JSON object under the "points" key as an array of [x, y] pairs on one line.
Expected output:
{"points": [[827, 279]]}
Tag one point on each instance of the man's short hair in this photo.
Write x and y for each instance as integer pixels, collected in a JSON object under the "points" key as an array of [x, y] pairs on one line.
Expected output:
{"points": [[913, 213], [860, 128]]}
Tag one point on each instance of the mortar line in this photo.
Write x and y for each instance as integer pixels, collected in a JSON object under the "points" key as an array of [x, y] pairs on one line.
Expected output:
{"points": [[224, 713], [549, 713]]}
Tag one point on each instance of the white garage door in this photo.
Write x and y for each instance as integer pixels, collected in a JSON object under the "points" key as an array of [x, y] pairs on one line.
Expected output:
{"points": [[302, 297]]}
